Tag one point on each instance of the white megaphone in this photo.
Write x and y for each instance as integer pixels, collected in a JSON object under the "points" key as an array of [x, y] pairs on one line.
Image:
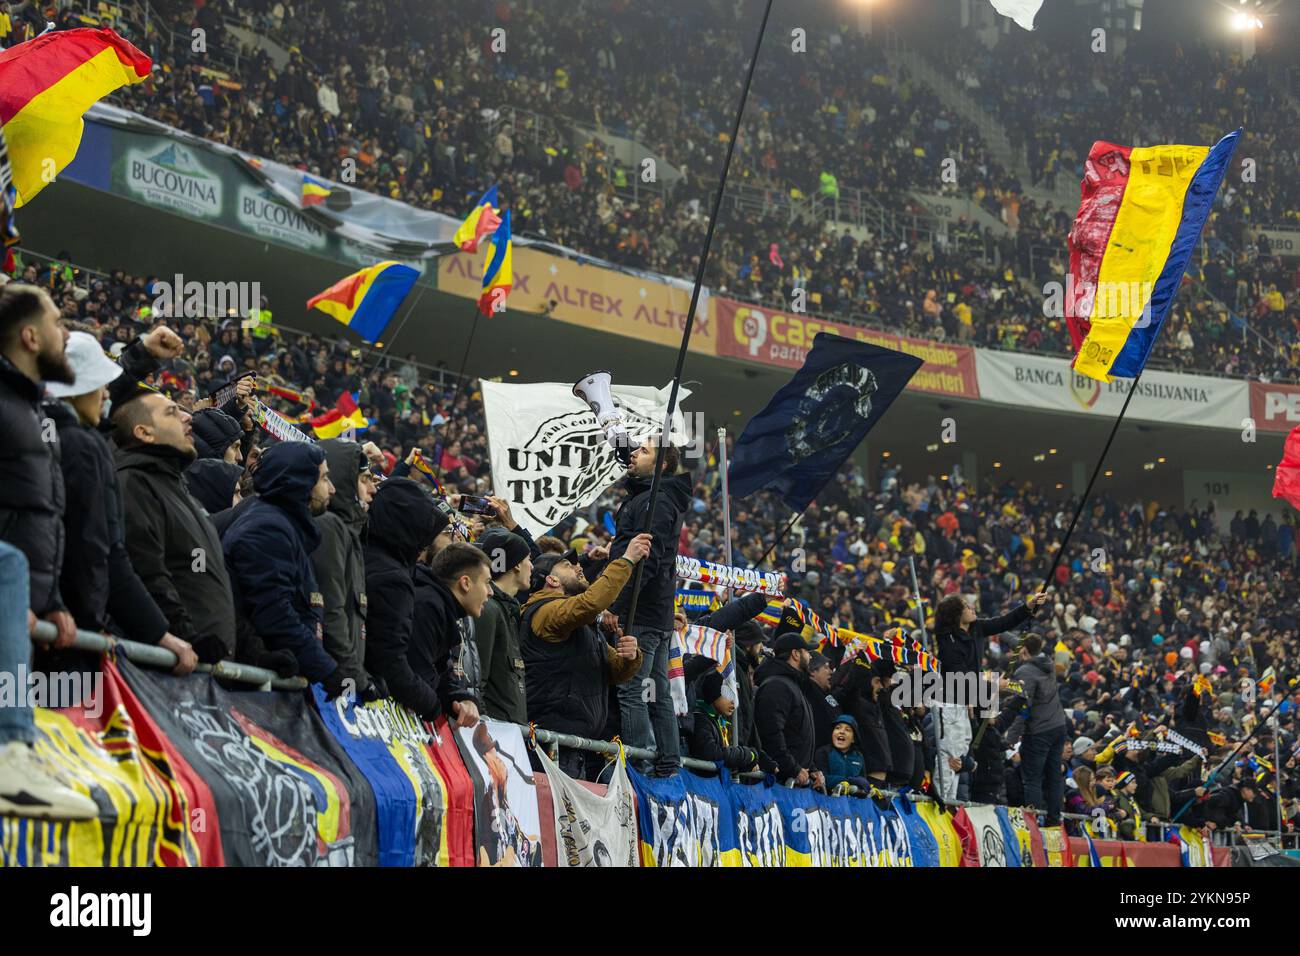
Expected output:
{"points": [[594, 389]]}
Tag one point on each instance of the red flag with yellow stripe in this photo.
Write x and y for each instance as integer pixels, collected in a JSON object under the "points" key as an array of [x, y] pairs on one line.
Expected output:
{"points": [[46, 84]]}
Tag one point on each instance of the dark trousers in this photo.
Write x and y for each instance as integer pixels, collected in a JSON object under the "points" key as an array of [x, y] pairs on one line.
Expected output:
{"points": [[1040, 767]]}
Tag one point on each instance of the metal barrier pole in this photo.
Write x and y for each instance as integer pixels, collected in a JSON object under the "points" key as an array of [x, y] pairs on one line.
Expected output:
{"points": [[159, 657]]}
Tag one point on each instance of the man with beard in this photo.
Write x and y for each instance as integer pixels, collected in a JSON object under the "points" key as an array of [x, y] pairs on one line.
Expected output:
{"points": [[569, 664], [782, 715], [31, 550], [174, 548], [268, 551]]}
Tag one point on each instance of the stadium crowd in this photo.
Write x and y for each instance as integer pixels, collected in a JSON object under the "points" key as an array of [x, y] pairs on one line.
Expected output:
{"points": [[436, 117], [1160, 646]]}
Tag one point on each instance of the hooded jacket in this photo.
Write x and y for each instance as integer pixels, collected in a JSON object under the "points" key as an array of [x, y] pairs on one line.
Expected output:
{"points": [[852, 686], [98, 582], [783, 718], [501, 658], [402, 522], [1038, 675], [339, 566], [436, 635], [212, 482], [175, 549], [654, 607], [214, 432], [31, 515], [267, 548]]}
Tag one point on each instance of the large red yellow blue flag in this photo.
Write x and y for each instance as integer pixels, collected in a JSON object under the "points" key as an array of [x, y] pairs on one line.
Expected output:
{"points": [[483, 219], [46, 84], [345, 416], [498, 275], [1140, 216], [365, 301]]}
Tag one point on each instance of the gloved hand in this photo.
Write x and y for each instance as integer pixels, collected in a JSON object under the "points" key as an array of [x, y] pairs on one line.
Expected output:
{"points": [[282, 662], [372, 693], [335, 684]]}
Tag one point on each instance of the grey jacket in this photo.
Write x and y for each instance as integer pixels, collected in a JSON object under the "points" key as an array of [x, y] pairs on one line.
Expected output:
{"points": [[1038, 675]]}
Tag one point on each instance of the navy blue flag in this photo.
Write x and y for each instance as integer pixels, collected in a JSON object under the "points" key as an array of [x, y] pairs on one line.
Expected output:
{"points": [[795, 444]]}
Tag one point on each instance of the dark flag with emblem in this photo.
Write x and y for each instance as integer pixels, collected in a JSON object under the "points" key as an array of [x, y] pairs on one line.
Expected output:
{"points": [[795, 444]]}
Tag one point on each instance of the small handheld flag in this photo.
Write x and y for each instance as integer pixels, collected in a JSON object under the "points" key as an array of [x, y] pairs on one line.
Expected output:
{"points": [[343, 417], [498, 275], [46, 84], [314, 191], [1140, 216], [366, 301], [421, 464], [482, 220], [816, 420]]}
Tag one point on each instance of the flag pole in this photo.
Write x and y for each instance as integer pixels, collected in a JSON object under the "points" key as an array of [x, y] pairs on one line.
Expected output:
{"points": [[780, 536], [726, 502], [384, 353], [1114, 428], [464, 361], [689, 325]]}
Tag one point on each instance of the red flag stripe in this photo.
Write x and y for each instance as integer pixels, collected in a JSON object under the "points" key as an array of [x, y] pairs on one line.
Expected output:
{"points": [[29, 69]]}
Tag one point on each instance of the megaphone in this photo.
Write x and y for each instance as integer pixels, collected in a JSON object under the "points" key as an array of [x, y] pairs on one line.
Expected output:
{"points": [[594, 389]]}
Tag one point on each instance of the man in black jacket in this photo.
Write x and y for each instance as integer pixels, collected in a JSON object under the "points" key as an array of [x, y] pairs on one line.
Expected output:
{"points": [[32, 351], [267, 550], [31, 549], [646, 705], [98, 582], [782, 715], [173, 546], [403, 521], [453, 586], [501, 660], [337, 561], [1045, 730]]}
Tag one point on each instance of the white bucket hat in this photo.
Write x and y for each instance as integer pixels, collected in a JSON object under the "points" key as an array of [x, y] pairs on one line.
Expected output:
{"points": [[93, 368]]}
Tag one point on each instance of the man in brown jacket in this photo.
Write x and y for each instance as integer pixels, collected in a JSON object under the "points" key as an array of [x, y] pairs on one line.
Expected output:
{"points": [[569, 664]]}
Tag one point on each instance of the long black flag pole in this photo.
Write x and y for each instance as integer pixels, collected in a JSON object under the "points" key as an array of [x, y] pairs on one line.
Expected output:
{"points": [[690, 314]]}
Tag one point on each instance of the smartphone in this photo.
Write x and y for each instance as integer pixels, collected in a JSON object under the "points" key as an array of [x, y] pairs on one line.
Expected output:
{"points": [[474, 505]]}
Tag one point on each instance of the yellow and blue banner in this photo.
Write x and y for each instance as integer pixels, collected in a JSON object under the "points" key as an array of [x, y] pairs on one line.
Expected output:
{"points": [[367, 300], [1140, 215], [498, 275]]}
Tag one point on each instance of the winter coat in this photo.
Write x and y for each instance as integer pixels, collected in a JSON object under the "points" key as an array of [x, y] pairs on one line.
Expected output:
{"points": [[1038, 675], [710, 740], [98, 583], [962, 652], [31, 507], [175, 549], [338, 564], [436, 638], [403, 521], [851, 685], [783, 718], [654, 607], [268, 550], [501, 660], [825, 708], [839, 766]]}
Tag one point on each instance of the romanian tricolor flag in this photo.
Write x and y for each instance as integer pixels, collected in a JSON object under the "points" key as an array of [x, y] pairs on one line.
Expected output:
{"points": [[483, 219], [314, 191], [421, 464], [46, 84], [365, 301], [343, 417], [1140, 216], [498, 276]]}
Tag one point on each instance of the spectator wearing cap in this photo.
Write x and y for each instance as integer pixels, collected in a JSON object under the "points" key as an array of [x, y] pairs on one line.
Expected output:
{"points": [[840, 761], [711, 733], [784, 720], [98, 582], [173, 546], [497, 630], [817, 688], [268, 548], [403, 522], [1084, 753], [217, 435], [568, 663], [1128, 815], [339, 566]]}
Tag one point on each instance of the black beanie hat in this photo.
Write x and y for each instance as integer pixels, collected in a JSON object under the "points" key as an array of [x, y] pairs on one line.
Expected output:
{"points": [[504, 549], [710, 687]]}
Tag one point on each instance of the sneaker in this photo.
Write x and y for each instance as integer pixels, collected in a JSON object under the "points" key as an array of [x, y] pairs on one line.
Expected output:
{"points": [[27, 789]]}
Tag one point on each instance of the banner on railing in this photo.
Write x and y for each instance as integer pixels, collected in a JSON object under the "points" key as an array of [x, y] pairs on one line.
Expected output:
{"points": [[507, 829]]}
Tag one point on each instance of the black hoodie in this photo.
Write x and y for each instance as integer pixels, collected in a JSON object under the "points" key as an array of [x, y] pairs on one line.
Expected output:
{"points": [[212, 482], [338, 563], [267, 548], [654, 607], [403, 522], [436, 638]]}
